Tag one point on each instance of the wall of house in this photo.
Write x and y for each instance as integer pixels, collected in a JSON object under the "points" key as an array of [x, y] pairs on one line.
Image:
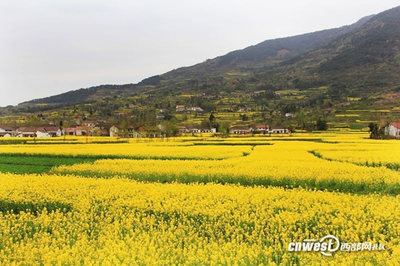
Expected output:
{"points": [[393, 131], [40, 134]]}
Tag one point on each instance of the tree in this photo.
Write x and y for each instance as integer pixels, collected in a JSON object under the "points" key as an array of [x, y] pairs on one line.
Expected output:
{"points": [[321, 124], [376, 132], [224, 129], [212, 117], [125, 121], [169, 128]]}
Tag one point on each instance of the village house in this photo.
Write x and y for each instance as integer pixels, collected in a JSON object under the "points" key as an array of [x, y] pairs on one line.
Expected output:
{"points": [[39, 131], [183, 129], [207, 130], [203, 130], [160, 116], [180, 108], [42, 134], [278, 130], [195, 109], [393, 129], [199, 129], [194, 129], [69, 131], [98, 131], [7, 131], [84, 131], [127, 132], [244, 109], [87, 123], [26, 132], [130, 132], [287, 115], [261, 128], [49, 131], [240, 130], [102, 128], [114, 131], [259, 92]]}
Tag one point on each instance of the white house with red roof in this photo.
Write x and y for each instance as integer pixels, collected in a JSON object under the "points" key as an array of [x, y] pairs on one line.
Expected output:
{"points": [[26, 132], [7, 131], [180, 108], [183, 129], [83, 131], [240, 130], [393, 129], [39, 131], [261, 128]]}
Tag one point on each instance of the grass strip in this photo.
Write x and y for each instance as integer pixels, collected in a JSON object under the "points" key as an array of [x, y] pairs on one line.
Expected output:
{"points": [[331, 185]]}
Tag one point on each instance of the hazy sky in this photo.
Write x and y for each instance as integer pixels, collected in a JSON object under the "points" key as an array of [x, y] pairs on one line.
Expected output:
{"points": [[52, 46]]}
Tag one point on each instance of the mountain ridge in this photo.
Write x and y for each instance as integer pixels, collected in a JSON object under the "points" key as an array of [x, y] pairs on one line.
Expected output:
{"points": [[272, 47]]}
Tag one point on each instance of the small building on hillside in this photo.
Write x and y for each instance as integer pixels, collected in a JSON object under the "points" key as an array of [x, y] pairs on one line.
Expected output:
{"points": [[289, 115], [183, 129], [195, 109], [87, 123], [180, 108], [244, 109], [393, 130]]}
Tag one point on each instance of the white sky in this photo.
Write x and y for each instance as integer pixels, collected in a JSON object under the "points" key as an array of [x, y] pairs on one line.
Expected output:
{"points": [[52, 46]]}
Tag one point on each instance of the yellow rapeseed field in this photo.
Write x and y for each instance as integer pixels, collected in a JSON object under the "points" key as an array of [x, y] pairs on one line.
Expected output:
{"points": [[202, 201], [123, 222], [140, 150], [284, 163], [365, 153]]}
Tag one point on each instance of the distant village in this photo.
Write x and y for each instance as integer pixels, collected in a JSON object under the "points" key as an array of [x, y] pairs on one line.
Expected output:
{"points": [[89, 128], [84, 127]]}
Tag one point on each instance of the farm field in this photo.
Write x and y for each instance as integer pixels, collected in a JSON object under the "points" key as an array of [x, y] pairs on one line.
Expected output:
{"points": [[199, 200]]}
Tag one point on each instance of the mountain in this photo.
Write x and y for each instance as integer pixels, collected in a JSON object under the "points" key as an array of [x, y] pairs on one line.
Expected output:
{"points": [[357, 64], [355, 61], [266, 54], [270, 52]]}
